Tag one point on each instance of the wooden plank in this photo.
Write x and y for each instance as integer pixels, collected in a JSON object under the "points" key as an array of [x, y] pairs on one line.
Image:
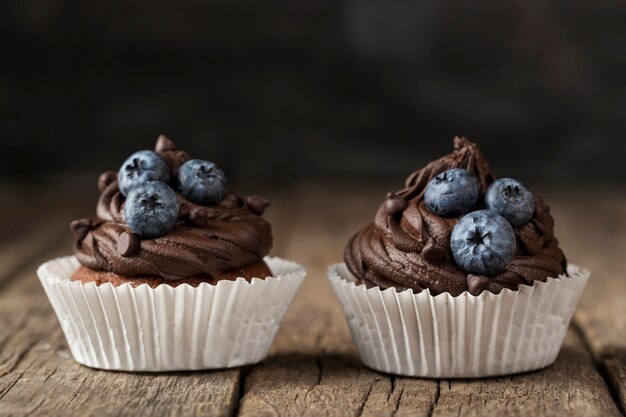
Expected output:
{"points": [[314, 369], [592, 231], [570, 387], [39, 377]]}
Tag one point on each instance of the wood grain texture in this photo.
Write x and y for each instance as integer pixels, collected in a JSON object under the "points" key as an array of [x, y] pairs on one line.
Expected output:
{"points": [[572, 386], [313, 368]]}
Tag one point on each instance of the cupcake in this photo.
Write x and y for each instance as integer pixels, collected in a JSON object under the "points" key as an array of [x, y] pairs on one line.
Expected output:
{"points": [[173, 272], [459, 275]]}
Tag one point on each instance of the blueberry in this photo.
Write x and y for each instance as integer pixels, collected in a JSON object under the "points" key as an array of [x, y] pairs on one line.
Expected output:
{"points": [[482, 242], [509, 198], [140, 167], [151, 209], [201, 182], [452, 192]]}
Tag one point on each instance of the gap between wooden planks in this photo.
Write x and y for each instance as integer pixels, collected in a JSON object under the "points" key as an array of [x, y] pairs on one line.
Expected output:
{"points": [[313, 369]]}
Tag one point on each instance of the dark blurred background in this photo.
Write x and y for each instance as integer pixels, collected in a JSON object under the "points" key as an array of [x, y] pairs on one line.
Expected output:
{"points": [[324, 90]]}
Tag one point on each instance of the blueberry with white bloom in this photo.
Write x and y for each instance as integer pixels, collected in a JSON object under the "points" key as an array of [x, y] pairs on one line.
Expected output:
{"points": [[140, 167], [511, 199], [201, 182], [452, 192], [151, 209], [483, 243]]}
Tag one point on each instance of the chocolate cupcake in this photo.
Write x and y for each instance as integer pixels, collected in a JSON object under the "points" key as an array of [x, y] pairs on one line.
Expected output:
{"points": [[170, 273], [459, 275]]}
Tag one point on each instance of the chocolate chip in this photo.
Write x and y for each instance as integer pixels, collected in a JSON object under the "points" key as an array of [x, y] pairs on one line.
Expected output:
{"points": [[395, 203], [232, 201], [477, 283], [128, 243], [257, 204], [81, 227], [198, 216], [163, 144], [169, 151], [105, 179]]}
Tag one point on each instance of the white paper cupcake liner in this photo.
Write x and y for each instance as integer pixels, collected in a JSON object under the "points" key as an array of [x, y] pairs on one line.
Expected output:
{"points": [[229, 324], [443, 336]]}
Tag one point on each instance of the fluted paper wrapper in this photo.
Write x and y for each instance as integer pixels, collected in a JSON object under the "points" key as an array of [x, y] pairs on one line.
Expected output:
{"points": [[229, 324], [443, 336]]}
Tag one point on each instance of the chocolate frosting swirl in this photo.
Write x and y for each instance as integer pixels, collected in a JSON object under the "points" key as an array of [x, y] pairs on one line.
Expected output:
{"points": [[407, 246], [205, 240]]}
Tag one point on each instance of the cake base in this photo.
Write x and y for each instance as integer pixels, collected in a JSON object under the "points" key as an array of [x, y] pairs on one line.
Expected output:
{"points": [[86, 275]]}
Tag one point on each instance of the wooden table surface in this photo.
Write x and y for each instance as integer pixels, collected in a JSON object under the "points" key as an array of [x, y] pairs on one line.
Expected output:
{"points": [[313, 368]]}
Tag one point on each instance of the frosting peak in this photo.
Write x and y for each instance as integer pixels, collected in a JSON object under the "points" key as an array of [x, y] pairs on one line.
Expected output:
{"points": [[407, 246], [207, 240]]}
